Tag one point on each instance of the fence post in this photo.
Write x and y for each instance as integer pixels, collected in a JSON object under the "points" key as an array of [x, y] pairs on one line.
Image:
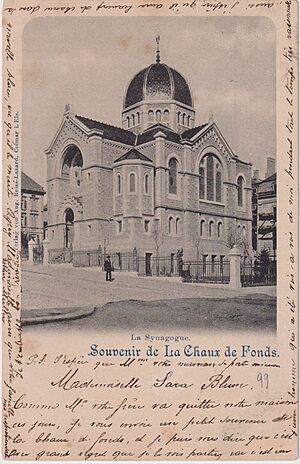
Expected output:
{"points": [[235, 268], [46, 251], [31, 244]]}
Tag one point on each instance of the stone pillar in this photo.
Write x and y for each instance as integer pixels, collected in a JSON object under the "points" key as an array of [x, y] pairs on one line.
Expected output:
{"points": [[46, 243], [31, 244], [160, 166], [235, 268]]}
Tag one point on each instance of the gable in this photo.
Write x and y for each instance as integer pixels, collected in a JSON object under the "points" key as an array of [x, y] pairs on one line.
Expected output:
{"points": [[211, 135], [68, 129]]}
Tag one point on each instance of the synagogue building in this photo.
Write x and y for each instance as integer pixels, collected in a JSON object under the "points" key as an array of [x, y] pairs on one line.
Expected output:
{"points": [[158, 184]]}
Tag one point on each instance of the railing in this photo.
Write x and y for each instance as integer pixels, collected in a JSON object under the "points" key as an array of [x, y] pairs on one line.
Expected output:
{"points": [[255, 273], [120, 261], [207, 271], [24, 254], [124, 261], [60, 255], [159, 266], [86, 258], [38, 253]]}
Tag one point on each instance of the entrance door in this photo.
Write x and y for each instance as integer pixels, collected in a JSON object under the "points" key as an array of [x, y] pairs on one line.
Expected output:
{"points": [[69, 228], [148, 264]]}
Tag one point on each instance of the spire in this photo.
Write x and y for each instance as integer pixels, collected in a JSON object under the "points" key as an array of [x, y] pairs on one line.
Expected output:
{"points": [[157, 49]]}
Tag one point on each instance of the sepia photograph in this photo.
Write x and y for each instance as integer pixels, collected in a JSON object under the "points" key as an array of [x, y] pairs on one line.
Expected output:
{"points": [[150, 234], [149, 174]]}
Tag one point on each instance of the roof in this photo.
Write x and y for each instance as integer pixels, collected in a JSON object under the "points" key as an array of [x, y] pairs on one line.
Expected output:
{"points": [[30, 185], [129, 138], [158, 82], [133, 154], [271, 178], [189, 133], [150, 132], [110, 132]]}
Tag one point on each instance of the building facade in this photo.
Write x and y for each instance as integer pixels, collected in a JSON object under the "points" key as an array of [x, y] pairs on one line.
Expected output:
{"points": [[32, 210], [264, 207], [158, 184]]}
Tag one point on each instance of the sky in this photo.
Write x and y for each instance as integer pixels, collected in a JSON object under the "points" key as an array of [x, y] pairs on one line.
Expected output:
{"points": [[229, 63]]}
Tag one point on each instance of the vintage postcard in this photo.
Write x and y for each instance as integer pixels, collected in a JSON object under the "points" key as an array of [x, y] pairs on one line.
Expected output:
{"points": [[150, 230]]}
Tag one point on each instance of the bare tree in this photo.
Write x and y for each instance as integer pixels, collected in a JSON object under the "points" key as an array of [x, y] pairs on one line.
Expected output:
{"points": [[157, 236], [197, 244], [235, 237]]}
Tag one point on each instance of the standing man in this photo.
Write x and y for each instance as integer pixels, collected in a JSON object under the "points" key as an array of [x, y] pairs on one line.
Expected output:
{"points": [[107, 268]]}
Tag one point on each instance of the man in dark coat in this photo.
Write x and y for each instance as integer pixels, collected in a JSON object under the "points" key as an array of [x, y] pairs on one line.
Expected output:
{"points": [[107, 268]]}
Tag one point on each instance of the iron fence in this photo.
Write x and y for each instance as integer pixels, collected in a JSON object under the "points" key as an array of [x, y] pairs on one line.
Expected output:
{"points": [[159, 266], [60, 255], [256, 273], [87, 258], [38, 254], [208, 271], [120, 261], [24, 254], [124, 261]]}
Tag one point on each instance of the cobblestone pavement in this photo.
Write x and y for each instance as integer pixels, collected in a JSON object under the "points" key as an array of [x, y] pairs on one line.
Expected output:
{"points": [[61, 286]]}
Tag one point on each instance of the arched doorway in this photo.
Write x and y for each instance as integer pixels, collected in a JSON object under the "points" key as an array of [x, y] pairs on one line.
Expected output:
{"points": [[69, 228]]}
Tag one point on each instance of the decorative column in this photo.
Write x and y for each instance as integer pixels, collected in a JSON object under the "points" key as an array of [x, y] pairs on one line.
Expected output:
{"points": [[31, 244], [235, 268], [160, 167]]}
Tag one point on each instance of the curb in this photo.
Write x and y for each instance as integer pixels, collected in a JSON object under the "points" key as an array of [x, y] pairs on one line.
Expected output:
{"points": [[65, 315]]}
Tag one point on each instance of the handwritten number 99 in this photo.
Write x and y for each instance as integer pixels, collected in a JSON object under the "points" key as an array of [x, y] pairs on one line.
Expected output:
{"points": [[264, 380]]}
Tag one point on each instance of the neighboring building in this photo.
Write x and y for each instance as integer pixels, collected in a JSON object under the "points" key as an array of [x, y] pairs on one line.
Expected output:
{"points": [[31, 210], [158, 182], [264, 200]]}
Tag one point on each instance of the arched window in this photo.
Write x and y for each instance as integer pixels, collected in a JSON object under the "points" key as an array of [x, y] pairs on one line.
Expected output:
{"points": [[72, 165], [158, 115], [119, 184], [183, 119], [133, 120], [210, 178], [170, 225], [166, 115], [173, 176], [151, 116], [132, 182], [179, 117], [128, 121], [188, 120], [211, 228], [240, 191], [202, 227], [244, 231], [146, 183], [177, 226], [201, 182], [138, 119], [218, 186], [219, 229]]}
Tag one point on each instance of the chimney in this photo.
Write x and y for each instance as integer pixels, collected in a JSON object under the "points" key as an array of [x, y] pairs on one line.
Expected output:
{"points": [[256, 174], [270, 167]]}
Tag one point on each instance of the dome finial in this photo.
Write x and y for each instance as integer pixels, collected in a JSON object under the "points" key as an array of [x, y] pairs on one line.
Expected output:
{"points": [[157, 49]]}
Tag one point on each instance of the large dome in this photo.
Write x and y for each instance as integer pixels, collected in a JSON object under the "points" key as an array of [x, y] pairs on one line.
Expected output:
{"points": [[158, 82]]}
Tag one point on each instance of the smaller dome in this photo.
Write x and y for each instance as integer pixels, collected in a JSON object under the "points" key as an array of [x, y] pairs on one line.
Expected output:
{"points": [[158, 82]]}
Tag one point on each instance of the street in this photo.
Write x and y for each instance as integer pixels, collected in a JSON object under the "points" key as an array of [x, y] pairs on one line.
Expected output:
{"points": [[131, 302]]}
